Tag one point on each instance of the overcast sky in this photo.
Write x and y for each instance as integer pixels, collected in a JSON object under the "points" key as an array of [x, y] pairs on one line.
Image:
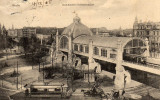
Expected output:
{"points": [[104, 13]]}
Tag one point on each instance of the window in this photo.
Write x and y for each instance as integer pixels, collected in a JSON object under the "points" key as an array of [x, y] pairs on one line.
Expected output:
{"points": [[86, 49], [76, 47], [112, 55], [96, 51], [157, 33], [103, 52], [64, 43], [127, 51], [81, 48]]}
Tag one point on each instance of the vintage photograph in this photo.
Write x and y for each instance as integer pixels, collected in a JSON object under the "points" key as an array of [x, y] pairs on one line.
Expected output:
{"points": [[79, 49]]}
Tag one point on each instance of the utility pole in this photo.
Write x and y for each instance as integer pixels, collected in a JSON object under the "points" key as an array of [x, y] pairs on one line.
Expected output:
{"points": [[52, 53], [17, 75], [21, 82], [52, 62], [32, 54], [88, 74], [43, 72], [32, 60], [56, 62], [72, 76], [39, 66], [62, 65]]}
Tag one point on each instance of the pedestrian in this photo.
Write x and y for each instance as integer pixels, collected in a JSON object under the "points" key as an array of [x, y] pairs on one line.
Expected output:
{"points": [[26, 92]]}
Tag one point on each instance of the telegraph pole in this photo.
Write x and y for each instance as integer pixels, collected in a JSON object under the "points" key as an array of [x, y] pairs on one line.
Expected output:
{"points": [[72, 76], [43, 72], [88, 75], [17, 75], [39, 66], [21, 82], [32, 60], [52, 57], [32, 54], [52, 62]]}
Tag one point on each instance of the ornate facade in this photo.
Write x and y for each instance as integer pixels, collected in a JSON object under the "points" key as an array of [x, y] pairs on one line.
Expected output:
{"points": [[77, 40], [151, 31]]}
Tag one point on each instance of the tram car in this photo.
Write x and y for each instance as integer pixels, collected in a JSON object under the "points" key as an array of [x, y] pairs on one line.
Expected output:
{"points": [[46, 90]]}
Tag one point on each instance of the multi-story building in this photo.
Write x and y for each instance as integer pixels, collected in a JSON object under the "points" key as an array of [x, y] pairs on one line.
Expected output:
{"points": [[12, 33], [19, 33], [15, 33], [28, 31], [151, 31]]}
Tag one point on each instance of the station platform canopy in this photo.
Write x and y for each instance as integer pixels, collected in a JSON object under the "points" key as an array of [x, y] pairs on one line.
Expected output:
{"points": [[109, 42]]}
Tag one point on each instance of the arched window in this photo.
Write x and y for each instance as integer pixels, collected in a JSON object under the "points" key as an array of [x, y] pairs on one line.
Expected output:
{"points": [[103, 52], [96, 51], [81, 48], [76, 47], [64, 43], [86, 49]]}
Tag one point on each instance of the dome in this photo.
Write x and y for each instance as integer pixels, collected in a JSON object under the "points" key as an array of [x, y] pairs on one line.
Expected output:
{"points": [[77, 29]]}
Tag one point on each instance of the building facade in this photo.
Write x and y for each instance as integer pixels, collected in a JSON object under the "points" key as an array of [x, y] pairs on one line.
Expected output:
{"points": [[15, 33], [28, 31], [78, 41], [151, 31], [19, 33], [12, 33]]}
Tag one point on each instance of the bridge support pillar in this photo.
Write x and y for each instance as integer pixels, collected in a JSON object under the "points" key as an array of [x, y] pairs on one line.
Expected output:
{"points": [[119, 79], [90, 75]]}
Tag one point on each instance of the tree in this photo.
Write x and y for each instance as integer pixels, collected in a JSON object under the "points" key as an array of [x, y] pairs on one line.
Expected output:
{"points": [[24, 42], [50, 41], [2, 43]]}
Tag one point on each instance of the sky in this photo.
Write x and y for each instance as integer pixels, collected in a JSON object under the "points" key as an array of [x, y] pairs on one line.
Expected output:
{"points": [[111, 14]]}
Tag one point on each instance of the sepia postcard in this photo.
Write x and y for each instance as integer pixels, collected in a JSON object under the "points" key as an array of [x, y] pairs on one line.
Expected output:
{"points": [[79, 50]]}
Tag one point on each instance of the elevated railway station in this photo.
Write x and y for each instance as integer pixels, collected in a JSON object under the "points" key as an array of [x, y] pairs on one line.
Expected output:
{"points": [[77, 43]]}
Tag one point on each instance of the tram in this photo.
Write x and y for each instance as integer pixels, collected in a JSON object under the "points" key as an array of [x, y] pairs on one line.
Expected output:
{"points": [[46, 90]]}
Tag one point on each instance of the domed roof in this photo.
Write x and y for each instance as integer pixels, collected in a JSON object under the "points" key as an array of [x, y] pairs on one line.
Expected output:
{"points": [[77, 29]]}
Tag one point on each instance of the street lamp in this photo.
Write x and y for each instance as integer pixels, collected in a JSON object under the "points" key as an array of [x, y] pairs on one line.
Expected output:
{"points": [[17, 75], [43, 71]]}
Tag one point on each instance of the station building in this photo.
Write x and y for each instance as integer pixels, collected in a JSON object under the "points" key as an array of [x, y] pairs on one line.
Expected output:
{"points": [[78, 42]]}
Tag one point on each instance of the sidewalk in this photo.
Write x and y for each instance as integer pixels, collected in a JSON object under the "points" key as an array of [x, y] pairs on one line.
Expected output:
{"points": [[135, 87], [9, 57]]}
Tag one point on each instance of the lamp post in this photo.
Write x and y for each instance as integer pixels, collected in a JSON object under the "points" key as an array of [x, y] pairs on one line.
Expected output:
{"points": [[17, 75], [43, 72], [52, 61], [39, 66], [56, 62], [32, 59], [88, 75]]}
